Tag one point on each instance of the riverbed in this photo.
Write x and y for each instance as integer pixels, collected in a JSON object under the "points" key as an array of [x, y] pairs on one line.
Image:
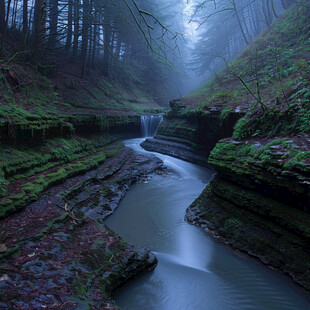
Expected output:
{"points": [[194, 272]]}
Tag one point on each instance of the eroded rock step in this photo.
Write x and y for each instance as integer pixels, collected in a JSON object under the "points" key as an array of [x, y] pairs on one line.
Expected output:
{"points": [[57, 255]]}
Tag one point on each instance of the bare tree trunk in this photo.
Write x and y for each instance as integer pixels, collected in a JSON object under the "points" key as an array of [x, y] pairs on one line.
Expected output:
{"points": [[90, 31], [227, 43], [273, 9], [39, 27], [53, 23], [2, 15], [95, 35], [118, 47], [265, 12], [14, 11], [244, 19], [239, 21], [90, 45], [269, 11], [69, 34], [25, 17], [254, 20], [5, 28], [107, 39], [85, 35], [76, 28], [112, 55]]}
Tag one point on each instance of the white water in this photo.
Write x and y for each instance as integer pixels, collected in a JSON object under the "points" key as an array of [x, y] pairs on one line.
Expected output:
{"points": [[194, 271], [149, 125]]}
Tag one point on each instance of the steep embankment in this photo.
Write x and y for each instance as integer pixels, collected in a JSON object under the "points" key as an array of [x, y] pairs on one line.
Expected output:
{"points": [[259, 200]]}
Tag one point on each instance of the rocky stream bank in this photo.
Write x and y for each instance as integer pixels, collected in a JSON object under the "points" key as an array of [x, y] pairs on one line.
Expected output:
{"points": [[57, 253]]}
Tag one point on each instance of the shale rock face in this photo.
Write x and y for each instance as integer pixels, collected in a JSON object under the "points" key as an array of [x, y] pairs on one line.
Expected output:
{"points": [[260, 201], [278, 168], [34, 129]]}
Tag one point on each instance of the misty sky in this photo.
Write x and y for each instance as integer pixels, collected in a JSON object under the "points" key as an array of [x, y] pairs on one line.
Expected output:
{"points": [[190, 27]]}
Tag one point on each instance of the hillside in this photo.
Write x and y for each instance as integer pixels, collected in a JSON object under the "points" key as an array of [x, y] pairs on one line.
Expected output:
{"points": [[57, 88], [273, 70]]}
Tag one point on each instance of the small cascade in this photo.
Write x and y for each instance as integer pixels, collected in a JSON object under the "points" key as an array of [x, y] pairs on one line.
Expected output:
{"points": [[149, 125]]}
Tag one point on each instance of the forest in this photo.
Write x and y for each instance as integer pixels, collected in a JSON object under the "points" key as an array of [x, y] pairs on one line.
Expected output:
{"points": [[155, 154]]}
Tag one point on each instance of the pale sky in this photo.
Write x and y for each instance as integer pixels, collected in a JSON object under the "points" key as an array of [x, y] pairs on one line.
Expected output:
{"points": [[190, 28]]}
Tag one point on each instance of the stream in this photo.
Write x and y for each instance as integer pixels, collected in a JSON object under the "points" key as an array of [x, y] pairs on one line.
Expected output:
{"points": [[194, 271]]}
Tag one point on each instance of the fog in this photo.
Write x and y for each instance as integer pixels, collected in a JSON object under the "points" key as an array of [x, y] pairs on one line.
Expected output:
{"points": [[213, 32], [168, 48]]}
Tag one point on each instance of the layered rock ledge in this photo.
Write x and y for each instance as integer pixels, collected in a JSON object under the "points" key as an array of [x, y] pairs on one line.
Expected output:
{"points": [[56, 252], [259, 201], [192, 134]]}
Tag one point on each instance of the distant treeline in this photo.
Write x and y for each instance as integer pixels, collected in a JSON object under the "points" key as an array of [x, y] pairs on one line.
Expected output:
{"points": [[100, 33], [228, 26]]}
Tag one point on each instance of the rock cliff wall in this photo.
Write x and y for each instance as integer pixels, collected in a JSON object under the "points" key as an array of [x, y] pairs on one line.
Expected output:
{"points": [[259, 200], [191, 134]]}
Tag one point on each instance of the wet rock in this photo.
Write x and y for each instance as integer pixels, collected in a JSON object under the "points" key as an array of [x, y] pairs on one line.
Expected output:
{"points": [[175, 149], [59, 262], [259, 202]]}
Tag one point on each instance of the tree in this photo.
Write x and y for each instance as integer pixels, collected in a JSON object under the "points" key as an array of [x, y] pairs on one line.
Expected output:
{"points": [[39, 26], [53, 23], [235, 9], [227, 27], [2, 15], [69, 17], [25, 17], [267, 12], [5, 25], [85, 34], [76, 31]]}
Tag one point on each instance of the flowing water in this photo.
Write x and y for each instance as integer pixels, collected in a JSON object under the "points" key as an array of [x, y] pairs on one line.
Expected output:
{"points": [[194, 271], [149, 125]]}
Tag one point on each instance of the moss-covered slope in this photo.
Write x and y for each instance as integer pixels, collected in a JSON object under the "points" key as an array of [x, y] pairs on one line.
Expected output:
{"points": [[274, 67]]}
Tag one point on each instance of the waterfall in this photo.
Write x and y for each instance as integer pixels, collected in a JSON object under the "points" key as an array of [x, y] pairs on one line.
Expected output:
{"points": [[149, 125]]}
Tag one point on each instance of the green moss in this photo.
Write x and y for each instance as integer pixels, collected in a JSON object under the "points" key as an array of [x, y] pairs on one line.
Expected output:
{"points": [[276, 121], [246, 150], [31, 190], [265, 150], [240, 129], [232, 224], [225, 112], [223, 150], [298, 162]]}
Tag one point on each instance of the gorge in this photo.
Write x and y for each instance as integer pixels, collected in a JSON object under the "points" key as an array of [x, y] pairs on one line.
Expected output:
{"points": [[154, 154]]}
